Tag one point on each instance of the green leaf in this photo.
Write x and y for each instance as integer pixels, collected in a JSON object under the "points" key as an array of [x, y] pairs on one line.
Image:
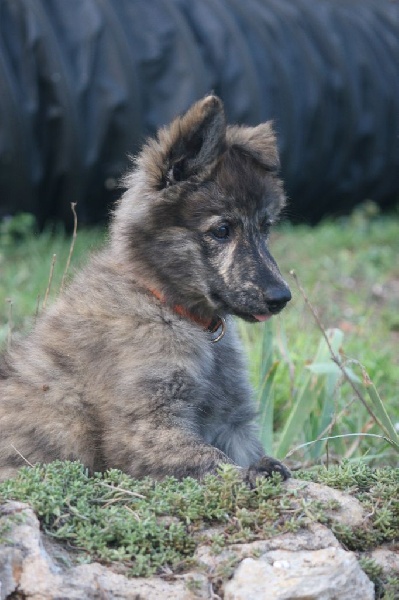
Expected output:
{"points": [[308, 395], [380, 411], [331, 368]]}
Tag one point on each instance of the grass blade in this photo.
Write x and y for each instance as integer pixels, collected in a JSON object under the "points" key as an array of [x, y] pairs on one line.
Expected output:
{"points": [[266, 408], [307, 398], [379, 409]]}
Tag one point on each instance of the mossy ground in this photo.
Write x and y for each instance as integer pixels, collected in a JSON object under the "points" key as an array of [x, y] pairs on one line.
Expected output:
{"points": [[148, 527], [145, 524], [378, 492]]}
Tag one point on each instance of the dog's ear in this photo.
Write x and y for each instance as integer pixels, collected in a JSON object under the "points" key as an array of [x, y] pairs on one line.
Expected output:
{"points": [[259, 142], [194, 141]]}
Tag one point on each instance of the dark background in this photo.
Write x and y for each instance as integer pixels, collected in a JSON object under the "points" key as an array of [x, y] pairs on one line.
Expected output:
{"points": [[82, 82]]}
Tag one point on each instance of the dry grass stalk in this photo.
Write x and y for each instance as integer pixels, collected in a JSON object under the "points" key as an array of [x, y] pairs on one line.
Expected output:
{"points": [[335, 356], [50, 280], [10, 323], [75, 228]]}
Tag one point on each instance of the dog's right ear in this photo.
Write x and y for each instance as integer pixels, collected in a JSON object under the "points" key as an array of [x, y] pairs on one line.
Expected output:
{"points": [[193, 142]]}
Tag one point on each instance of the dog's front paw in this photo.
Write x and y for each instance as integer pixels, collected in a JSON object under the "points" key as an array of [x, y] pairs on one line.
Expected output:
{"points": [[265, 467]]}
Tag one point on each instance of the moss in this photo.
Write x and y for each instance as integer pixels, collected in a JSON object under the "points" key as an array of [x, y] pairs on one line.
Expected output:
{"points": [[386, 587], [148, 526], [378, 492], [390, 588], [374, 572], [6, 525]]}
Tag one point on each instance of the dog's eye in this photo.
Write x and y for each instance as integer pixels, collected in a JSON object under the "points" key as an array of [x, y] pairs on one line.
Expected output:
{"points": [[177, 171], [222, 232], [266, 224]]}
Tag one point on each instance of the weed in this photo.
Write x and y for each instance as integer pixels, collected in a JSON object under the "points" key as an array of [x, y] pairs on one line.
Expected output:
{"points": [[378, 492], [150, 527]]}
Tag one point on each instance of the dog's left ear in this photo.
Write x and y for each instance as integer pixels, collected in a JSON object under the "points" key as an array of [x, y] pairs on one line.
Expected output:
{"points": [[260, 142], [194, 141]]}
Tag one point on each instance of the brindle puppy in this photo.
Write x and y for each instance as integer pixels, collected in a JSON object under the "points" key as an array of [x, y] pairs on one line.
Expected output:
{"points": [[123, 370]]}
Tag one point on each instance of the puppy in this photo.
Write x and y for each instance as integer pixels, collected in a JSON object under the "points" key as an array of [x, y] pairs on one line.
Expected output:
{"points": [[137, 365]]}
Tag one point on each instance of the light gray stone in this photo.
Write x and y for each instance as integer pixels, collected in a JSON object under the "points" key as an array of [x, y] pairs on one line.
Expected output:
{"points": [[326, 574], [315, 537], [388, 559], [351, 511]]}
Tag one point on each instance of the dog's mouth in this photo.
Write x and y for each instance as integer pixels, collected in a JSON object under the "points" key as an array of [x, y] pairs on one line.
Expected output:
{"points": [[246, 316], [262, 318], [250, 317]]}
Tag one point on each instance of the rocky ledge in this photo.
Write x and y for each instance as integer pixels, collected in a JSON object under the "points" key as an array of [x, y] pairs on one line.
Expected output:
{"points": [[310, 561]]}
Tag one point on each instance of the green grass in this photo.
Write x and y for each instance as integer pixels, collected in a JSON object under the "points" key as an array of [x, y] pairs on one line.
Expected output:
{"points": [[25, 262], [350, 271]]}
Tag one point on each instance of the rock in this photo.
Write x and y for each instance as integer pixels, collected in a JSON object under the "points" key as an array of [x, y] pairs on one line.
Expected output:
{"points": [[388, 559], [326, 574], [23, 561], [308, 564], [316, 537], [27, 569], [351, 511]]}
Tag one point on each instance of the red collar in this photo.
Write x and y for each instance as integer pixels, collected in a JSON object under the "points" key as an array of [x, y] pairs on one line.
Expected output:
{"points": [[211, 325]]}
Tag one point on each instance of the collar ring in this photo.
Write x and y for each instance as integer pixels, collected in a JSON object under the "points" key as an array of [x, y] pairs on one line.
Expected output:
{"points": [[220, 325]]}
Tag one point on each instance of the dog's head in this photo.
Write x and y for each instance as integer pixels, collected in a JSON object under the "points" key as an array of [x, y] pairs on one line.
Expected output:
{"points": [[195, 220]]}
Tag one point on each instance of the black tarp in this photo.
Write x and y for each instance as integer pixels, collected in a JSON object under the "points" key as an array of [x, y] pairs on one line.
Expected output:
{"points": [[83, 81]]}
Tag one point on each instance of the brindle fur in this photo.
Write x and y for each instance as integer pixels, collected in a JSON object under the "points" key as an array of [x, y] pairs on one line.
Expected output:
{"points": [[115, 377]]}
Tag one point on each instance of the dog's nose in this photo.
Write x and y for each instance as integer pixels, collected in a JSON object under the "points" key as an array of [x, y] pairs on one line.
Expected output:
{"points": [[277, 298]]}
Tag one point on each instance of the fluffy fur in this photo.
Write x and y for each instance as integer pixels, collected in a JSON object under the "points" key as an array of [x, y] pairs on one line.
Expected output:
{"points": [[113, 374]]}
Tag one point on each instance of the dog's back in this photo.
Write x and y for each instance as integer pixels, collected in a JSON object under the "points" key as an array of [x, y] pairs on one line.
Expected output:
{"points": [[124, 371]]}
